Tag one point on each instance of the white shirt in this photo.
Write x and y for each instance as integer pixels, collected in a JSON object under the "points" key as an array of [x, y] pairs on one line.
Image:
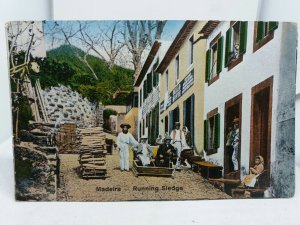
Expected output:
{"points": [[123, 140], [178, 136]]}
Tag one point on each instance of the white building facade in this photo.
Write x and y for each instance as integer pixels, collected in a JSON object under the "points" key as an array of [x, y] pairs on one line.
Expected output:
{"points": [[250, 77], [147, 84]]}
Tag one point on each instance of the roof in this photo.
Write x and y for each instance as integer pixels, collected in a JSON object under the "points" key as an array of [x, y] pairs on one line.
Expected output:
{"points": [[176, 44], [209, 27], [154, 49]]}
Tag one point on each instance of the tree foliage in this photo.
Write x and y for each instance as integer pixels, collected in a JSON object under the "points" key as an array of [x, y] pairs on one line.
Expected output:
{"points": [[62, 67]]}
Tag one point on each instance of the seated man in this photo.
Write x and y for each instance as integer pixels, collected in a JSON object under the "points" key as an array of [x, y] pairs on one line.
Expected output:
{"points": [[166, 153], [144, 152], [159, 140], [250, 180]]}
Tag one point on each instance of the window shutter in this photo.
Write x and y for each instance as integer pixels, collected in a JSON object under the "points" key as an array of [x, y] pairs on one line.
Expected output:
{"points": [[154, 78], [184, 113], [171, 124], [205, 135], [243, 37], [220, 55], [145, 89], [259, 31], [228, 46], [273, 26], [192, 118], [149, 82], [217, 130], [207, 71]]}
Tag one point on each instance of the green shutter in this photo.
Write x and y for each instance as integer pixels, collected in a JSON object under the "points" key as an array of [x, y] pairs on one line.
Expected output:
{"points": [[228, 46], [260, 33], [207, 69], [220, 55], [145, 89], [205, 135], [149, 83], [217, 130], [154, 79], [273, 26], [243, 37]]}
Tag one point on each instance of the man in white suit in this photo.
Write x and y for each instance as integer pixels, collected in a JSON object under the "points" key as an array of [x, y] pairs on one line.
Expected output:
{"points": [[125, 139]]}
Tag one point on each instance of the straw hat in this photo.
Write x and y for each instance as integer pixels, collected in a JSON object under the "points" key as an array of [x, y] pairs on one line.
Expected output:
{"points": [[125, 124], [177, 124]]}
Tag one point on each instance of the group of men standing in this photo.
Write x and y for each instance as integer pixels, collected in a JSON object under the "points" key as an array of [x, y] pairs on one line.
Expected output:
{"points": [[169, 150]]}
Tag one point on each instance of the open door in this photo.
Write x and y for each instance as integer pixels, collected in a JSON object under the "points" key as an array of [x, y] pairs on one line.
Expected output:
{"points": [[261, 121], [233, 109]]}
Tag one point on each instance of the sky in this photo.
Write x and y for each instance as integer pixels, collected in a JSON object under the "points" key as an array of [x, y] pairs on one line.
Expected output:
{"points": [[96, 29]]}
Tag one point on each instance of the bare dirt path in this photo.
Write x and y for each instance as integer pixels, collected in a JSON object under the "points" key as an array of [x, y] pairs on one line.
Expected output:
{"points": [[121, 186]]}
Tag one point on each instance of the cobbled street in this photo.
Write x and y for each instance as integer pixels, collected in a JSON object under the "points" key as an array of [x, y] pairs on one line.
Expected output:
{"points": [[190, 186]]}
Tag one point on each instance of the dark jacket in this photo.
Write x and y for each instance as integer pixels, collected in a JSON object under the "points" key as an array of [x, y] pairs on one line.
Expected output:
{"points": [[162, 150]]}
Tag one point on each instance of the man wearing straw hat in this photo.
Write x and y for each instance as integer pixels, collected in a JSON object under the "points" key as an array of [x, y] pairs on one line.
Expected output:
{"points": [[125, 139]]}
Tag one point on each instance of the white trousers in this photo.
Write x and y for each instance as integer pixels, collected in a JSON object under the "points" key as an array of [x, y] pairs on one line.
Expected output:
{"points": [[178, 147], [235, 157], [144, 159], [124, 158]]}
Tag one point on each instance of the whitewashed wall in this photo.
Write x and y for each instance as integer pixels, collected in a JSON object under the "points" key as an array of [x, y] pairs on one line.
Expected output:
{"points": [[153, 98], [255, 68]]}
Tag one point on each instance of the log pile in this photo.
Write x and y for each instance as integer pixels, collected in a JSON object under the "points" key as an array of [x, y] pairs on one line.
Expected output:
{"points": [[66, 138], [37, 157], [93, 152]]}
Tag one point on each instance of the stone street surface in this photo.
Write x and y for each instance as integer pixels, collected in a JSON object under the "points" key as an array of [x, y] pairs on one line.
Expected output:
{"points": [[124, 186]]}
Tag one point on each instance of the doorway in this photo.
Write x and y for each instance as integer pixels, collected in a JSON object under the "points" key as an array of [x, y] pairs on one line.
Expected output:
{"points": [[261, 121], [233, 110], [174, 117], [188, 117]]}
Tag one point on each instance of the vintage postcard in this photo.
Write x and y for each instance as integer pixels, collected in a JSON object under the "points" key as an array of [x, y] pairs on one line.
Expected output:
{"points": [[152, 110]]}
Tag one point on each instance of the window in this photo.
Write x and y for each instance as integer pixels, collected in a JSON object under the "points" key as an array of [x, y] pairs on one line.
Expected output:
{"points": [[155, 74], [212, 132], [236, 43], [145, 94], [135, 100], [153, 125], [214, 57], [166, 124], [143, 126], [167, 80], [214, 51], [141, 97], [263, 33], [176, 69], [140, 131], [191, 50], [149, 83]]}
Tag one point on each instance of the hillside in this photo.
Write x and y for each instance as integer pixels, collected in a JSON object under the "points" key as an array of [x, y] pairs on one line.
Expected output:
{"points": [[62, 66]]}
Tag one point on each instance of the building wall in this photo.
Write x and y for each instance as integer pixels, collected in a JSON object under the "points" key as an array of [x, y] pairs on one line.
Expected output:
{"points": [[255, 68], [153, 98], [132, 118], [197, 88], [283, 176], [117, 108]]}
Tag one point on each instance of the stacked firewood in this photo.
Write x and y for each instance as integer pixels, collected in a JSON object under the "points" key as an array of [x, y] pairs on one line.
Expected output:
{"points": [[93, 152]]}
